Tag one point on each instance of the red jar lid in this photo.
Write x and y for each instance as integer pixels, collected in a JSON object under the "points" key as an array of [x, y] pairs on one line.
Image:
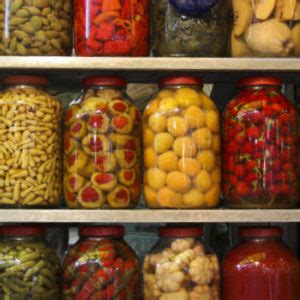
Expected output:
{"points": [[22, 230], [256, 81], [181, 80], [180, 232], [101, 231], [25, 79], [104, 80], [260, 232]]}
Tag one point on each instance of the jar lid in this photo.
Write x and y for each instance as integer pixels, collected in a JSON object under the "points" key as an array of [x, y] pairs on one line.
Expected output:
{"points": [[260, 232], [254, 81], [178, 80], [104, 80], [180, 232], [101, 231], [25, 79], [22, 230]]}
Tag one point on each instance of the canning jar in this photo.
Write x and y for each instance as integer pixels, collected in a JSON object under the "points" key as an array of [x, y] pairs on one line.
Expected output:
{"points": [[101, 266], [190, 28], [181, 146], [260, 267], [30, 150], [102, 147], [111, 27], [259, 144], [265, 28], [30, 269], [35, 27], [181, 266]]}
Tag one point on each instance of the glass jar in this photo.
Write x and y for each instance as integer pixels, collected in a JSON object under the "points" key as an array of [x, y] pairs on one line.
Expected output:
{"points": [[259, 143], [102, 147], [30, 269], [265, 28], [190, 28], [35, 27], [30, 150], [181, 146], [111, 28], [101, 266], [181, 266], [260, 267]]}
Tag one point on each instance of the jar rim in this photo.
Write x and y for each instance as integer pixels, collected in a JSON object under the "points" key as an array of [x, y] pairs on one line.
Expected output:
{"points": [[101, 230], [25, 79], [260, 232], [180, 232], [22, 230], [181, 80], [259, 80], [104, 81]]}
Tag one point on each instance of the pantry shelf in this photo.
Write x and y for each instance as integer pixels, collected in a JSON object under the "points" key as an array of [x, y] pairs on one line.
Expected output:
{"points": [[148, 216]]}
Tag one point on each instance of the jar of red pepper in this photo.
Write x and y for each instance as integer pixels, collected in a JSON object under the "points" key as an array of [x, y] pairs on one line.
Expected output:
{"points": [[111, 27], [259, 143], [101, 266], [261, 267]]}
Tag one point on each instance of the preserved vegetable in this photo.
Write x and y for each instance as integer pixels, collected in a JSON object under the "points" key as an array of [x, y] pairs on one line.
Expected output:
{"points": [[111, 28], [190, 28], [181, 146], [261, 267], [101, 266], [30, 151], [35, 27], [180, 266], [29, 268], [266, 28], [102, 147], [260, 141]]}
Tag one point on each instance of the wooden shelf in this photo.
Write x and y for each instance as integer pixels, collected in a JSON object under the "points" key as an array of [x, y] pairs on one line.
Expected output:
{"points": [[148, 216]]}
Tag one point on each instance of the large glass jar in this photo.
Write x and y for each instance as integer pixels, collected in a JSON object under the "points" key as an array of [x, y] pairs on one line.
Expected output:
{"points": [[260, 267], [181, 266], [265, 28], [190, 28], [181, 146], [102, 147], [101, 266], [30, 150], [35, 27], [259, 144], [29, 269], [111, 27]]}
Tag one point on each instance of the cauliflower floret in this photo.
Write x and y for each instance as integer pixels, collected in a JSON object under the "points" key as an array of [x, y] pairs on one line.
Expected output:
{"points": [[215, 290], [201, 270], [161, 257], [183, 259], [201, 292], [215, 262], [182, 294], [151, 290], [180, 245], [169, 277], [198, 249]]}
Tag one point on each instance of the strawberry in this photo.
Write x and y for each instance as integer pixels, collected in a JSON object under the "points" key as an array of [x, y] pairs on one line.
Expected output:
{"points": [[253, 132], [285, 155], [285, 118], [242, 189], [233, 147], [268, 110], [277, 108], [238, 127], [230, 163], [260, 146], [288, 166], [276, 165], [256, 117], [230, 133], [240, 138], [282, 176], [284, 188], [250, 165], [269, 178], [258, 155], [233, 180], [239, 171], [248, 148], [252, 176], [270, 134], [274, 189]]}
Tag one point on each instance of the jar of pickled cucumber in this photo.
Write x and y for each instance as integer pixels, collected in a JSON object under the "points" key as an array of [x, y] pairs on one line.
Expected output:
{"points": [[30, 150], [181, 266], [181, 132], [101, 266], [36, 27], [259, 143], [102, 147], [30, 269]]}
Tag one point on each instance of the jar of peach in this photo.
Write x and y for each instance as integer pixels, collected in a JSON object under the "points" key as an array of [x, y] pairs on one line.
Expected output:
{"points": [[181, 134]]}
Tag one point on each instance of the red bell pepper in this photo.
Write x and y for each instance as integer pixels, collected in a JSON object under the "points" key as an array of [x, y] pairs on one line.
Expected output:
{"points": [[127, 9], [117, 48], [105, 32]]}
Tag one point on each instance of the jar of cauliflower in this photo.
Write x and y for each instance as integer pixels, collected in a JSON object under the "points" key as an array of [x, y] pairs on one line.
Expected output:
{"points": [[181, 266], [265, 28], [181, 134]]}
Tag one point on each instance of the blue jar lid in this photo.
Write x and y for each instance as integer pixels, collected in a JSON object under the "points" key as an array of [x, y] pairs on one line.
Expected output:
{"points": [[193, 7]]}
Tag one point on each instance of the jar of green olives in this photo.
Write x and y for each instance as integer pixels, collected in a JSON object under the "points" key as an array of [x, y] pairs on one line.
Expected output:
{"points": [[29, 268], [190, 28]]}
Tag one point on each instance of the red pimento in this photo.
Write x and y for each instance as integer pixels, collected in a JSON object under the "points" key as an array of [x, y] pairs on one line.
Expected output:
{"points": [[253, 132], [90, 195], [242, 189]]}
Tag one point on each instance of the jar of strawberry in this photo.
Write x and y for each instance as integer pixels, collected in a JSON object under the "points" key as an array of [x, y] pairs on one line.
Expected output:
{"points": [[259, 143]]}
